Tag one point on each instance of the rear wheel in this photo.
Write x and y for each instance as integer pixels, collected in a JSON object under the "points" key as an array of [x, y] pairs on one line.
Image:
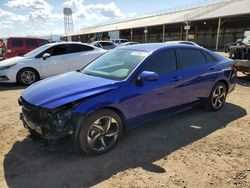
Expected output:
{"points": [[217, 97], [100, 132], [27, 76]]}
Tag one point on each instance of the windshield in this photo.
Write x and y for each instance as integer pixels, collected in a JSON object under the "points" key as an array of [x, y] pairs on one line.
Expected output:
{"points": [[116, 64], [37, 51]]}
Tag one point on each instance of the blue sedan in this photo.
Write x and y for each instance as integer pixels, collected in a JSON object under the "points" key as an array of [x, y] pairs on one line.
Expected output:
{"points": [[122, 89]]}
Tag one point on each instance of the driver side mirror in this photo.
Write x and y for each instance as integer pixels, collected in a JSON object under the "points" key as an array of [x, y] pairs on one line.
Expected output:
{"points": [[148, 76], [45, 56]]}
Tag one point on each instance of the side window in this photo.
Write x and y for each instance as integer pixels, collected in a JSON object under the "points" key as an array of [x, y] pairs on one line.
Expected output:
{"points": [[31, 42], [210, 58], [162, 62], [98, 45], [74, 48], [56, 50], [123, 41], [17, 42], [191, 58], [106, 44]]}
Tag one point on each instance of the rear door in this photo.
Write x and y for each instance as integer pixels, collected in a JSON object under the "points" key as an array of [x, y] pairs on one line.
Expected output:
{"points": [[199, 73], [57, 63], [80, 55]]}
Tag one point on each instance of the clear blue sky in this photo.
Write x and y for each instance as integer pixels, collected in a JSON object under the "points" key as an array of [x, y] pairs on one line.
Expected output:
{"points": [[44, 17]]}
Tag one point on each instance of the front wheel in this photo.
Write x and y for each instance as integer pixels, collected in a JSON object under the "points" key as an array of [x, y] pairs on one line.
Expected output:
{"points": [[100, 132], [27, 76], [217, 97]]}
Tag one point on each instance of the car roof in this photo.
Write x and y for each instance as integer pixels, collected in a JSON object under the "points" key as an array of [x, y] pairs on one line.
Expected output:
{"points": [[56, 43], [183, 42], [151, 47], [102, 41], [26, 38]]}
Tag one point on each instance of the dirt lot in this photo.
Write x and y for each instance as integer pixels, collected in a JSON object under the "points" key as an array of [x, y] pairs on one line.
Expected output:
{"points": [[193, 149]]}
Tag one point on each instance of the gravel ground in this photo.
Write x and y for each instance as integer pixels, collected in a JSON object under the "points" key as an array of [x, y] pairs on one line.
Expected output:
{"points": [[193, 149]]}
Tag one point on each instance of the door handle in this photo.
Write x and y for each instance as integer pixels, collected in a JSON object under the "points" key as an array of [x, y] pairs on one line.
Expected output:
{"points": [[177, 78]]}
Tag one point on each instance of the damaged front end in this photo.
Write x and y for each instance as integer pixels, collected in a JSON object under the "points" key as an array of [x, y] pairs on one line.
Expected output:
{"points": [[49, 124]]}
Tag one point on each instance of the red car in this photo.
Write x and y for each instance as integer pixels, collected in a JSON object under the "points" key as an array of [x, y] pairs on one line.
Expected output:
{"points": [[18, 46]]}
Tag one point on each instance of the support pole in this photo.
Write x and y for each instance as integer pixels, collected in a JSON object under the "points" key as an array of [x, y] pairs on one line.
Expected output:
{"points": [[187, 33], [131, 35], [163, 33], [218, 34], [196, 33], [146, 32], [181, 37]]}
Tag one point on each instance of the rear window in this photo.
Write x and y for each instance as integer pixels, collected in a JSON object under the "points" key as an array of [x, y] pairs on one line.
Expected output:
{"points": [[210, 59], [106, 44], [123, 41], [17, 42], [191, 58], [31, 42], [74, 48]]}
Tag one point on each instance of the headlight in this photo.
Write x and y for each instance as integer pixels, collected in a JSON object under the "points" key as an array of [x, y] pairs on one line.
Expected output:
{"points": [[62, 115]]}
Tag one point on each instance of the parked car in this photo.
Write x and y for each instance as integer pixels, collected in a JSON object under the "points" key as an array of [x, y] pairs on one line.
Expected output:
{"points": [[227, 46], [183, 42], [128, 43], [118, 42], [123, 89], [18, 46], [48, 60], [107, 45]]}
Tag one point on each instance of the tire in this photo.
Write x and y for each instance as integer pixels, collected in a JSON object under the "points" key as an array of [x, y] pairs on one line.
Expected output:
{"points": [[27, 76], [217, 97], [96, 135]]}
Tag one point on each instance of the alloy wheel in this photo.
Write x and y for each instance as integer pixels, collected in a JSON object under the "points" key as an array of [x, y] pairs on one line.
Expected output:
{"points": [[103, 133], [218, 97], [28, 77]]}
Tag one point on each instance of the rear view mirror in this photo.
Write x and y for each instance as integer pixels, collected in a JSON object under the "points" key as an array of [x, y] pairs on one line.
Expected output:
{"points": [[148, 76], [46, 55]]}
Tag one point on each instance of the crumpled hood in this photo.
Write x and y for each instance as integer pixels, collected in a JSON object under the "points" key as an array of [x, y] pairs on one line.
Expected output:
{"points": [[56, 91], [12, 61]]}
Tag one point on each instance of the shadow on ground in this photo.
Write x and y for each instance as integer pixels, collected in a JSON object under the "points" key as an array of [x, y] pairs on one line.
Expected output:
{"points": [[8, 86], [27, 165], [244, 80]]}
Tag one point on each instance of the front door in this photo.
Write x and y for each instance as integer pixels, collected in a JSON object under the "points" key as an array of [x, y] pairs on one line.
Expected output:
{"points": [[159, 95]]}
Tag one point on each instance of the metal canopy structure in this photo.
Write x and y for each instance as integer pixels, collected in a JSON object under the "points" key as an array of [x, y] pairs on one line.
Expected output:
{"points": [[216, 10], [211, 25]]}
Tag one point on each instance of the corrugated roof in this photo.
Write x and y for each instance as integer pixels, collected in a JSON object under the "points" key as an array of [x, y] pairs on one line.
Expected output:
{"points": [[221, 9], [235, 7]]}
